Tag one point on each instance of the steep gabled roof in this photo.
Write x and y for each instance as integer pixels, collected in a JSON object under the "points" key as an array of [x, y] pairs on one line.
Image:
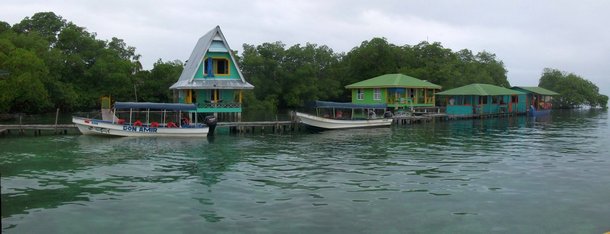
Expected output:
{"points": [[536, 90], [393, 81], [187, 78], [480, 90]]}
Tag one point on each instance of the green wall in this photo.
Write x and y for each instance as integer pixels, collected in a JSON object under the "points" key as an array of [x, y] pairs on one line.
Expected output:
{"points": [[369, 94], [233, 74], [368, 97], [226, 95]]}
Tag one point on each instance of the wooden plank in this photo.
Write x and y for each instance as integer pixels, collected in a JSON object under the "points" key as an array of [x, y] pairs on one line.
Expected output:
{"points": [[254, 124], [37, 126]]}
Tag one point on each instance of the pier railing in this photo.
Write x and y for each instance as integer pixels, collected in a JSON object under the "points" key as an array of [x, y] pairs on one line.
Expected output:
{"points": [[219, 105]]}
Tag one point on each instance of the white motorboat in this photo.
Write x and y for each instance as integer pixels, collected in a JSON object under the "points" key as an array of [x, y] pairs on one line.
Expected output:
{"points": [[335, 115], [163, 125]]}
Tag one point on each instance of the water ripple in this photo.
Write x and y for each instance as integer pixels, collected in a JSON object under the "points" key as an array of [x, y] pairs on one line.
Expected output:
{"points": [[509, 171]]}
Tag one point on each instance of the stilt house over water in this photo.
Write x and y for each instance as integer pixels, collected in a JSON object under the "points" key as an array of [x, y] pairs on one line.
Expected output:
{"points": [[395, 90], [538, 100], [483, 99], [211, 77]]}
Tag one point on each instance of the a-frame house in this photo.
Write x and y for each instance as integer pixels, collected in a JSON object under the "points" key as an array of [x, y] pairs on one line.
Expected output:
{"points": [[211, 77]]}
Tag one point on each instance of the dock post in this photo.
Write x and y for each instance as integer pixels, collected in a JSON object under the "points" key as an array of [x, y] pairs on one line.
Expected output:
{"points": [[56, 117], [20, 125]]}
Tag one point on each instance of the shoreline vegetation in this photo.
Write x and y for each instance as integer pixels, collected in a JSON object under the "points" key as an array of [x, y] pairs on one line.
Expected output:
{"points": [[49, 63]]}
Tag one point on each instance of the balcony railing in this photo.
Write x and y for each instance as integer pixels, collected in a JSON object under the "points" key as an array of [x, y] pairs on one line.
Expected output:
{"points": [[219, 105], [410, 101]]}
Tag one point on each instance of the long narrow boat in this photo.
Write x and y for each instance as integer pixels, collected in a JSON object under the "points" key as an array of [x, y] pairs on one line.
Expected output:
{"points": [[540, 111], [336, 115], [163, 125]]}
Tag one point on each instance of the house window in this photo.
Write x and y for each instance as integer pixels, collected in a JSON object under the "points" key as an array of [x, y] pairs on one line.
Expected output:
{"points": [[215, 96], [222, 66], [459, 100], [514, 99], [219, 66], [467, 100], [359, 94], [377, 94]]}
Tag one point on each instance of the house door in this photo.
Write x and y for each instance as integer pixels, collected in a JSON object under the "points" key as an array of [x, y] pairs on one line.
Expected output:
{"points": [[214, 95], [189, 95]]}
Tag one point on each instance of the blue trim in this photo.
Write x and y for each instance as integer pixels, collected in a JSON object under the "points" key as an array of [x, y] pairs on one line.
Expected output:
{"points": [[210, 70], [534, 112], [152, 105]]}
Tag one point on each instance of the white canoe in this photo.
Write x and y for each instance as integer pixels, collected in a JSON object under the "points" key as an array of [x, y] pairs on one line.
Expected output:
{"points": [[326, 123], [89, 126]]}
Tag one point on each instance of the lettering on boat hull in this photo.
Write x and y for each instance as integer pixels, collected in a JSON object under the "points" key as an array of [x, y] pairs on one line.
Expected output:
{"points": [[139, 129]]}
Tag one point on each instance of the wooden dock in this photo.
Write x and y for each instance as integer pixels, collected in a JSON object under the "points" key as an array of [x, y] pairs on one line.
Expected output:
{"points": [[261, 126], [234, 127], [419, 118], [483, 116], [240, 127], [37, 129]]}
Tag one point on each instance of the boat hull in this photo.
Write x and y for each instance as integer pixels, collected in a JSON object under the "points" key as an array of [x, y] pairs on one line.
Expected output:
{"points": [[106, 128], [539, 112], [325, 123]]}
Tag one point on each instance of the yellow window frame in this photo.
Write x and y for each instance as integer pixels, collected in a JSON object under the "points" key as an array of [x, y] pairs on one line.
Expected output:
{"points": [[215, 61]]}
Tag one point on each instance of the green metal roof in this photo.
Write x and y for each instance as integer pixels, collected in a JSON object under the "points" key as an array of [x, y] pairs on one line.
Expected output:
{"points": [[393, 80], [480, 90], [537, 90]]}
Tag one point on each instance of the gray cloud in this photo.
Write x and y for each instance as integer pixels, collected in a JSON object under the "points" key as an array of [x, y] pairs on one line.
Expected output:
{"points": [[527, 35]]}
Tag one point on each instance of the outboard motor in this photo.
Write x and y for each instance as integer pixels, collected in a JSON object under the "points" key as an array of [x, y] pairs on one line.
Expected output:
{"points": [[387, 114], [211, 121]]}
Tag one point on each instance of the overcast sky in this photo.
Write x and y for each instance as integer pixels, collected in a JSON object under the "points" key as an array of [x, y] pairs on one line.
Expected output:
{"points": [[572, 36]]}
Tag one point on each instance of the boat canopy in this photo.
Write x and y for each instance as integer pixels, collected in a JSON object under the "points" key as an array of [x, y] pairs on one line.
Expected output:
{"points": [[348, 105], [157, 106]]}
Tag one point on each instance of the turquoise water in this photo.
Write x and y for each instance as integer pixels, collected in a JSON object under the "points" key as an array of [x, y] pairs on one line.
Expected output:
{"points": [[509, 175]]}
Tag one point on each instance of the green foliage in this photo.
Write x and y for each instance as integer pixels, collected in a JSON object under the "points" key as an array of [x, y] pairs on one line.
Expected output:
{"points": [[153, 85], [300, 74], [288, 78], [56, 64], [372, 58], [24, 88], [47, 24], [574, 91], [450, 69], [47, 62]]}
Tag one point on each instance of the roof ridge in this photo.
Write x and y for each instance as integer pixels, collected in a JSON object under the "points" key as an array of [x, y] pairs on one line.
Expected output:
{"points": [[199, 51], [478, 87]]}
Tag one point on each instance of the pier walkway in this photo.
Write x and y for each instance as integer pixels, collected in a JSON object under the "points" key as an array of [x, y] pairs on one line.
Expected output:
{"points": [[36, 128], [243, 127]]}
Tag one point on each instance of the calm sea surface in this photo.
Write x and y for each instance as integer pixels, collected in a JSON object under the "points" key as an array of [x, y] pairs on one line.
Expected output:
{"points": [[509, 175]]}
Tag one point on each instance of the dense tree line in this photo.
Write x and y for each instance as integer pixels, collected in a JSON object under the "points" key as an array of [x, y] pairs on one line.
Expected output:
{"points": [[574, 91], [289, 77], [47, 62]]}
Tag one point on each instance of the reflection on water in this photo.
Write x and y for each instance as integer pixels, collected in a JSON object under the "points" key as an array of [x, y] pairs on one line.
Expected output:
{"points": [[469, 175]]}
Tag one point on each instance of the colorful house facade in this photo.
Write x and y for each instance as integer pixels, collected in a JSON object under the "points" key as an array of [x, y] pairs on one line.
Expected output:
{"points": [[395, 90], [211, 77], [483, 99], [538, 100]]}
